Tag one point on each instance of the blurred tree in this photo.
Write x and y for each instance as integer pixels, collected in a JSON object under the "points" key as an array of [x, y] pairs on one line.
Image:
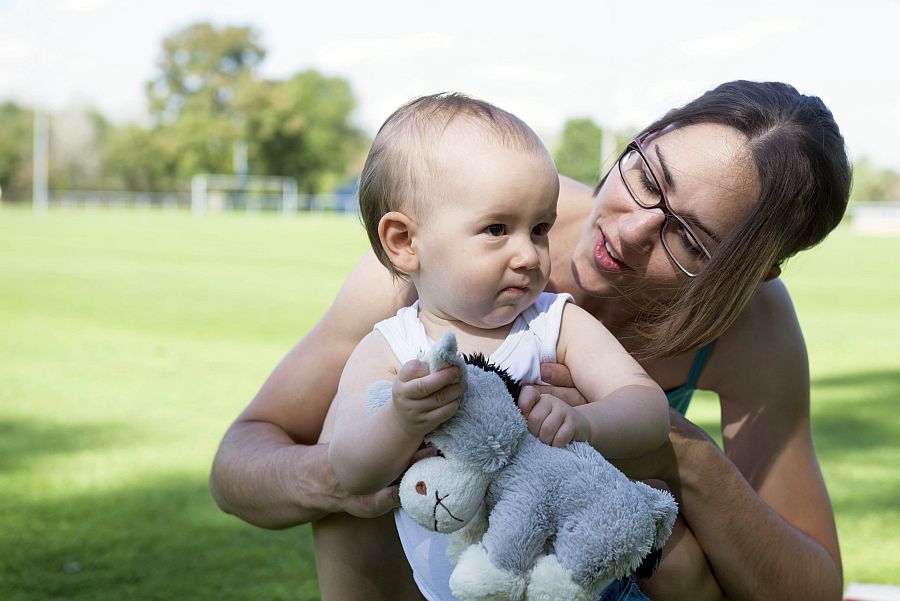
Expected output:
{"points": [[16, 133], [871, 184], [578, 154], [208, 97], [75, 148], [301, 127], [135, 158], [201, 69]]}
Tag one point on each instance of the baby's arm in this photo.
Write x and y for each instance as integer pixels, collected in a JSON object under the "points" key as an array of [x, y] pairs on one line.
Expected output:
{"points": [[368, 452], [627, 412]]}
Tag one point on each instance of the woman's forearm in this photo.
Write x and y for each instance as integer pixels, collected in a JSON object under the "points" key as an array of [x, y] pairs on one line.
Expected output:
{"points": [[261, 476], [752, 551]]}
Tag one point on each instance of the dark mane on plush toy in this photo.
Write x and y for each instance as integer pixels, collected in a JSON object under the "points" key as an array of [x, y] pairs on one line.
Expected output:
{"points": [[479, 360]]}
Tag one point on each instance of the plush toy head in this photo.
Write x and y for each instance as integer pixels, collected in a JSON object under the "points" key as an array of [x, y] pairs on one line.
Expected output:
{"points": [[596, 524], [444, 492]]}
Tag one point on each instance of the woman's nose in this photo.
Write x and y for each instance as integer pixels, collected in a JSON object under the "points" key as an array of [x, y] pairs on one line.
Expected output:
{"points": [[639, 228]]}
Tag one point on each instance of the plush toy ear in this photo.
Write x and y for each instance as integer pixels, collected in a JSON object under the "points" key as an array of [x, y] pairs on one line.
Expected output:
{"points": [[444, 354], [488, 428]]}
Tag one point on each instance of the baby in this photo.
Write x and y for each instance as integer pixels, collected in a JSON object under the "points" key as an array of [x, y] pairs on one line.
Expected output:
{"points": [[459, 197]]}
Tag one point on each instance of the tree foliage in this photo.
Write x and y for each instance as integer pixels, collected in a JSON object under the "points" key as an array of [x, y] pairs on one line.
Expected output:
{"points": [[578, 155], [301, 126], [15, 149], [208, 96], [201, 70], [871, 184]]}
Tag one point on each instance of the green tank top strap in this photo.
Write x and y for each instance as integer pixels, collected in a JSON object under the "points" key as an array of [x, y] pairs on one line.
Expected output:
{"points": [[680, 397]]}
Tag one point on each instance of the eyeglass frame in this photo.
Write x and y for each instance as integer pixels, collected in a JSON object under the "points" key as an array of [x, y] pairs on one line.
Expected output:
{"points": [[663, 204]]}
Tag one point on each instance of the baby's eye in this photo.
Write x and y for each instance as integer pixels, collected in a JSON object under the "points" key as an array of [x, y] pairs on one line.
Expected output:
{"points": [[540, 229], [495, 229]]}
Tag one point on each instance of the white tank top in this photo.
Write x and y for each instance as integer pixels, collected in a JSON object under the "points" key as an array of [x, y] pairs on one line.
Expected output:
{"points": [[531, 341]]}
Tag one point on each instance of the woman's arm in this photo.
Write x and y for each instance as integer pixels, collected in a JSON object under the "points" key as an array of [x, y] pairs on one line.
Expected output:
{"points": [[759, 510], [268, 470]]}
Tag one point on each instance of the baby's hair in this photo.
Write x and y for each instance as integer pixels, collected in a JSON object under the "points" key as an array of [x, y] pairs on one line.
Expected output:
{"points": [[399, 173]]}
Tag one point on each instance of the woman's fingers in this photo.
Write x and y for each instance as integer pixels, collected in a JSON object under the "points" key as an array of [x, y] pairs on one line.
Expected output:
{"points": [[560, 384], [571, 396], [557, 374]]}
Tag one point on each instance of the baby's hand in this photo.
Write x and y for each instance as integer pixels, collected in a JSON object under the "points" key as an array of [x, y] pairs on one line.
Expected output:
{"points": [[551, 419], [421, 400]]}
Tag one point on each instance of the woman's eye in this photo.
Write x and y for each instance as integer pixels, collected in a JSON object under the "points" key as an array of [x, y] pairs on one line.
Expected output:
{"points": [[691, 245], [496, 229], [540, 229], [649, 184]]}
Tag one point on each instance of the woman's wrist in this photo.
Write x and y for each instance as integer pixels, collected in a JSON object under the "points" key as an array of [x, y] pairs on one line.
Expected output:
{"points": [[695, 458]]}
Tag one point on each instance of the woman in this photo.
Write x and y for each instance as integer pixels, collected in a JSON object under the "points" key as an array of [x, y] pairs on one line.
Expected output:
{"points": [[677, 251]]}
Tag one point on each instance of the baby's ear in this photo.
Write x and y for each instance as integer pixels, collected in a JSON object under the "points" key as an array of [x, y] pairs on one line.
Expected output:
{"points": [[397, 232]]}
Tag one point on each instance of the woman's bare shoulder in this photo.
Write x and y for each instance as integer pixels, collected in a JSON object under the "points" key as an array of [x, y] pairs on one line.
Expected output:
{"points": [[763, 348], [574, 197]]}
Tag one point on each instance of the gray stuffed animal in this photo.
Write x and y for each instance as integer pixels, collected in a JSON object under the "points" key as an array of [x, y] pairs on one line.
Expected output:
{"points": [[561, 523]]}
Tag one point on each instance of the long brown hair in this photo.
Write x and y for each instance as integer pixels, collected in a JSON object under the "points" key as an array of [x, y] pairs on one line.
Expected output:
{"points": [[804, 176]]}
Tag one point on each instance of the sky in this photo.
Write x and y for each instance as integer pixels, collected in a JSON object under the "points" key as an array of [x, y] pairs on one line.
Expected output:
{"points": [[622, 64]]}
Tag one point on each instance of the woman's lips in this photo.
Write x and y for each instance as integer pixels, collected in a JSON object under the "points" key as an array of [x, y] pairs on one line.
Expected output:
{"points": [[604, 260]]}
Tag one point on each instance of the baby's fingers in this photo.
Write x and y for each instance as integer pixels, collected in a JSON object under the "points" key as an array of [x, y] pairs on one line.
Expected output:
{"points": [[550, 427], [412, 370], [528, 398], [413, 384]]}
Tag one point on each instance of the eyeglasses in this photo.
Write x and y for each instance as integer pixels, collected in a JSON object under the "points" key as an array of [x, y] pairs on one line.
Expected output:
{"points": [[681, 243]]}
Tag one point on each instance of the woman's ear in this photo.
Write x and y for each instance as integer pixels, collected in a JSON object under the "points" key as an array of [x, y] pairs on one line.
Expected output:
{"points": [[396, 232], [773, 273]]}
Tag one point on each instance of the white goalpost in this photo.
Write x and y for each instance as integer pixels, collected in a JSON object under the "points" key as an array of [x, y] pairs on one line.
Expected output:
{"points": [[215, 192]]}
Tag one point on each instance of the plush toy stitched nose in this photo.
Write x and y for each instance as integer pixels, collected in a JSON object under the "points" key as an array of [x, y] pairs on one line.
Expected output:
{"points": [[421, 488]]}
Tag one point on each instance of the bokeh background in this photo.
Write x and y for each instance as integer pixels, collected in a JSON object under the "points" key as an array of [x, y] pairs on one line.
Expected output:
{"points": [[177, 208]]}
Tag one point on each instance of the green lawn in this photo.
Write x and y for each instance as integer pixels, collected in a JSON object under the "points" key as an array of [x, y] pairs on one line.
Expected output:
{"points": [[130, 339]]}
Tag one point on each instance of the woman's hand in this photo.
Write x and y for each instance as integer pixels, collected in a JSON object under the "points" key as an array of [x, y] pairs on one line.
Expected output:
{"points": [[685, 437], [559, 384]]}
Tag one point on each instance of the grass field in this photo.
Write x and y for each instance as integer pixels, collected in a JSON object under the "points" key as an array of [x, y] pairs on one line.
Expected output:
{"points": [[129, 340]]}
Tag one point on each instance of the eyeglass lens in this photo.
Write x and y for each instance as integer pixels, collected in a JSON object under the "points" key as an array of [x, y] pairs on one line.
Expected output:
{"points": [[679, 242]]}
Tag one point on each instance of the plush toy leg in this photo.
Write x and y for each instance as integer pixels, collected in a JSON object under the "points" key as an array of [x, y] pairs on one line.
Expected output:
{"points": [[470, 534], [550, 581], [475, 578]]}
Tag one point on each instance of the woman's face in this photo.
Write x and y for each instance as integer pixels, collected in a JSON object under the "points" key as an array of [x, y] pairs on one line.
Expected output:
{"points": [[710, 181]]}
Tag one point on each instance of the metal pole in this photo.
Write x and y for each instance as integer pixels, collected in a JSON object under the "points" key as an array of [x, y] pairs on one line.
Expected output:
{"points": [[39, 191]]}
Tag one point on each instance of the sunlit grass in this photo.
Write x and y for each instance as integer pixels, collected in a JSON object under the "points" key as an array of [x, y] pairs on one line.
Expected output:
{"points": [[129, 340]]}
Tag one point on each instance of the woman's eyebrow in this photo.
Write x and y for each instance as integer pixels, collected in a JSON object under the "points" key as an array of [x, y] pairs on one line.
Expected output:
{"points": [[667, 175], [686, 215], [692, 219]]}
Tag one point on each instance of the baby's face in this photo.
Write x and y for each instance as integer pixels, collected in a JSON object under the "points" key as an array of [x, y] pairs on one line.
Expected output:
{"points": [[484, 250]]}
